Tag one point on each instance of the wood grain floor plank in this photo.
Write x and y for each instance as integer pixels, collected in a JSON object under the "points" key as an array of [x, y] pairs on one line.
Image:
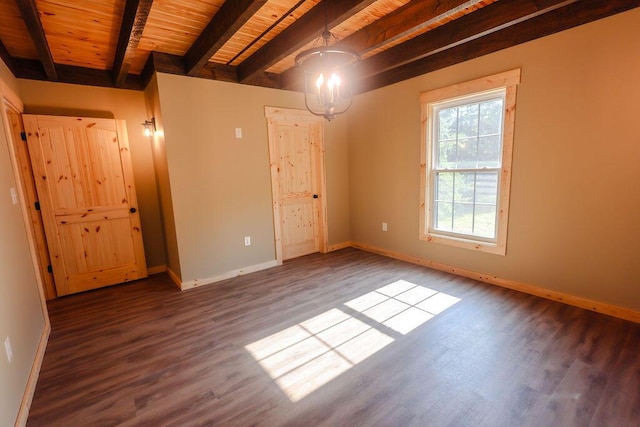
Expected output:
{"points": [[145, 353]]}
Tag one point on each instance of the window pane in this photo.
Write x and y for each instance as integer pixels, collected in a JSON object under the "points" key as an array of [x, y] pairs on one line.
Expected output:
{"points": [[467, 153], [485, 221], [463, 218], [444, 186], [464, 187], [465, 202], [447, 123], [468, 120], [443, 216], [489, 152], [487, 187], [491, 117], [447, 155]]}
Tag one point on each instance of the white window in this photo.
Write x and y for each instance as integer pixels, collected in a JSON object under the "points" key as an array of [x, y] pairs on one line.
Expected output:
{"points": [[467, 138]]}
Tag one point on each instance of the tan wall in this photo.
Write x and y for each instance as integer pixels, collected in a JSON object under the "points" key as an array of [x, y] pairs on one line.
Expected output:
{"points": [[66, 99], [162, 178], [337, 176], [574, 223], [8, 80], [21, 315], [220, 185]]}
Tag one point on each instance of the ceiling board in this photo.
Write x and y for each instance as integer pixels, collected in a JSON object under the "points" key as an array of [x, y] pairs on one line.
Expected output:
{"points": [[82, 33], [265, 18], [13, 32], [255, 42]]}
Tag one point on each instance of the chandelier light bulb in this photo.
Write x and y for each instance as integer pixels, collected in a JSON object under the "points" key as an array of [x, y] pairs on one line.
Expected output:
{"points": [[334, 81]]}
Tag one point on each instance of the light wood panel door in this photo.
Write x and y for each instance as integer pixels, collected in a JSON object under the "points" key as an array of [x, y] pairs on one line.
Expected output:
{"points": [[298, 188], [83, 175], [295, 141]]}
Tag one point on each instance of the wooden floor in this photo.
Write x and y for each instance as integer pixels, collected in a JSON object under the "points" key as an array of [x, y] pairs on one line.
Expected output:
{"points": [[324, 340]]}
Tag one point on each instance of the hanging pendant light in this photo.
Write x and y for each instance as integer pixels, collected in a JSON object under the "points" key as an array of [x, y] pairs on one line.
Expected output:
{"points": [[327, 77]]}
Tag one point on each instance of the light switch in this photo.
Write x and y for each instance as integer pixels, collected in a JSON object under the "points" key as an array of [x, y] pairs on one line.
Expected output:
{"points": [[14, 195], [8, 349], [239, 133]]}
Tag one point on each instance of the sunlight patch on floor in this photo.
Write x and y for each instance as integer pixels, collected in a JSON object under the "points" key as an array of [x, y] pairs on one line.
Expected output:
{"points": [[308, 355], [402, 306]]}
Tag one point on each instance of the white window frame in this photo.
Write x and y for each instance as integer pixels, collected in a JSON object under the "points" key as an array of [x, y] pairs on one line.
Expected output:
{"points": [[508, 81]]}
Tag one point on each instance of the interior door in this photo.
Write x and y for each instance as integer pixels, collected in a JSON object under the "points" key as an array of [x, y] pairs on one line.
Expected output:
{"points": [[298, 189], [84, 179], [297, 181]]}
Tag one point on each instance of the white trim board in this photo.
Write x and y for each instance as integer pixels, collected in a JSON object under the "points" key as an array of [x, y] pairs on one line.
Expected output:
{"points": [[576, 301]]}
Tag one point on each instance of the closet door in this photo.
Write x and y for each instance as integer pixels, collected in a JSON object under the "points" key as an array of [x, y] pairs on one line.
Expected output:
{"points": [[84, 179]]}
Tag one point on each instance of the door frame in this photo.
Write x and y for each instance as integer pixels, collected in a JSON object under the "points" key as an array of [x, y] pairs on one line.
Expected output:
{"points": [[28, 190], [276, 115], [9, 99]]}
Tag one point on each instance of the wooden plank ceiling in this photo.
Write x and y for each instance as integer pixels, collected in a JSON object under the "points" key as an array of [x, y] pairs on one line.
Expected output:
{"points": [[120, 43]]}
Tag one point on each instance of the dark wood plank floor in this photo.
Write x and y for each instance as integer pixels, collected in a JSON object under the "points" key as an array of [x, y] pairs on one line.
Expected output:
{"points": [[146, 354]]}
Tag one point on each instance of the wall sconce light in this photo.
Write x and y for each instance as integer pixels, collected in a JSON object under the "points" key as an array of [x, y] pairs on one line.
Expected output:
{"points": [[149, 127]]}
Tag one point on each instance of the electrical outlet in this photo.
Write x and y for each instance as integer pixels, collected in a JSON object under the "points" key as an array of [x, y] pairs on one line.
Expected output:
{"points": [[7, 347], [384, 226], [239, 133], [247, 240]]}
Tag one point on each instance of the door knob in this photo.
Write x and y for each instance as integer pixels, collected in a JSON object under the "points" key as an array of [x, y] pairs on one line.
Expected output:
{"points": [[132, 210], [315, 196]]}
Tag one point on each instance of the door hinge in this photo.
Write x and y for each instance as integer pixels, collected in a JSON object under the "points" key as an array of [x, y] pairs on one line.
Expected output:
{"points": [[23, 136], [37, 205], [49, 268]]}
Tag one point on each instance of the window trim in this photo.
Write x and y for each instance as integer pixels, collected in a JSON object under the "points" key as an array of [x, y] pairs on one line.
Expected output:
{"points": [[508, 81]]}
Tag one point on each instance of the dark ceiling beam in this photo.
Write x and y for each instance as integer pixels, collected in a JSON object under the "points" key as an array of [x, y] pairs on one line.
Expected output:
{"points": [[308, 27], [31, 18], [29, 69], [487, 20], [292, 79], [159, 62], [414, 16], [134, 19], [173, 64], [6, 58], [33, 70], [224, 24], [560, 19]]}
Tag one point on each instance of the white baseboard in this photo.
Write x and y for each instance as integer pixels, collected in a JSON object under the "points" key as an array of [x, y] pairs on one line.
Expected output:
{"points": [[27, 397], [600, 307], [227, 275]]}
